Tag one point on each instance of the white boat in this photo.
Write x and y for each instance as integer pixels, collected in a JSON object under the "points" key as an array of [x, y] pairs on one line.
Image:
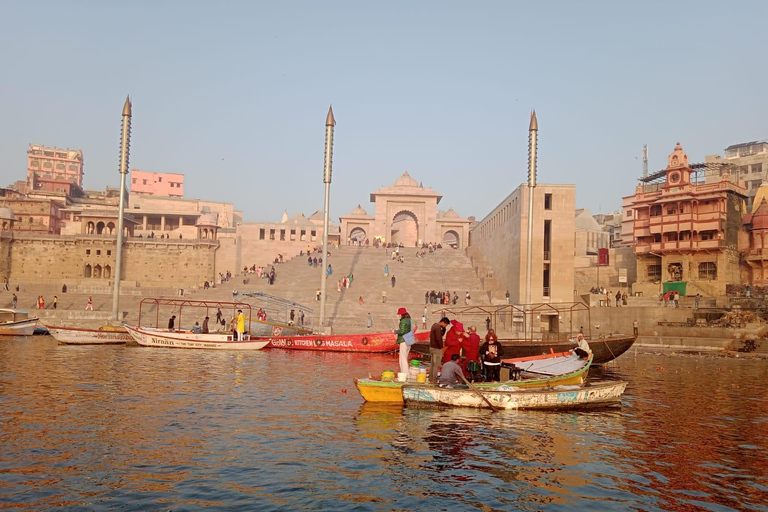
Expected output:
{"points": [[560, 397], [77, 336], [16, 323], [147, 337]]}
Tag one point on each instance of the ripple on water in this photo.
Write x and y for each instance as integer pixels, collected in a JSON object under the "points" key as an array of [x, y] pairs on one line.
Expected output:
{"points": [[141, 429]]}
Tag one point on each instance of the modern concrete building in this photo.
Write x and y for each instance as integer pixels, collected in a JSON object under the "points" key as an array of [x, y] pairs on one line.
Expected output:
{"points": [[685, 231], [501, 241], [747, 161], [157, 183]]}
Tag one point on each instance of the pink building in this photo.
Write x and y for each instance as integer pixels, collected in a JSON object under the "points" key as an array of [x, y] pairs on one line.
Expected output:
{"points": [[157, 183], [54, 169]]}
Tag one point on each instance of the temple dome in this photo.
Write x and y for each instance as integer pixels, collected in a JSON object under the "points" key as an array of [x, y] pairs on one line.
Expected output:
{"points": [[760, 216], [6, 214], [207, 219], [359, 211], [450, 214], [677, 158], [406, 181]]}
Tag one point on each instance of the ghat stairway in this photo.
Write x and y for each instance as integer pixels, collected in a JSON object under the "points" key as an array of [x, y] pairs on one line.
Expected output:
{"points": [[446, 269]]}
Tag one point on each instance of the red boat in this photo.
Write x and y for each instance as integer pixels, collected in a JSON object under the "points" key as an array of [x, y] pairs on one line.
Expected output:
{"points": [[375, 342]]}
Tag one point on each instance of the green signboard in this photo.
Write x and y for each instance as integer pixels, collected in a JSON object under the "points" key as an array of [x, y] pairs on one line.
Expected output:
{"points": [[677, 286]]}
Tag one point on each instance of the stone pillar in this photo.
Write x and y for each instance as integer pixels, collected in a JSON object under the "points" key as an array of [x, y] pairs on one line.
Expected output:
{"points": [[162, 223], [144, 224], [181, 221]]}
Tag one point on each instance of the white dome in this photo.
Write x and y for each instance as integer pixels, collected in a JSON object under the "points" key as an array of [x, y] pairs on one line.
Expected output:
{"points": [[406, 181], [207, 219]]}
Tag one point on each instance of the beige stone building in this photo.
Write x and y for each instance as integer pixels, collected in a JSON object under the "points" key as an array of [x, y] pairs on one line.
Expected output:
{"points": [[405, 213], [747, 162], [500, 243]]}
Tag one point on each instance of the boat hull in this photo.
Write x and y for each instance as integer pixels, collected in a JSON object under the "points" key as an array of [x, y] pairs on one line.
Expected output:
{"points": [[189, 340], [378, 342], [381, 391], [261, 328], [76, 336], [597, 395], [604, 350], [19, 328]]}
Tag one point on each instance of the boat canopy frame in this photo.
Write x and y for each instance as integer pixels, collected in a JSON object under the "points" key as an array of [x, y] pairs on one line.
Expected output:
{"points": [[278, 308], [525, 313], [180, 304]]}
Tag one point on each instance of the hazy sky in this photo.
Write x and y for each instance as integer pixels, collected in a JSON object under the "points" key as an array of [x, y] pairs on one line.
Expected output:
{"points": [[234, 94]]}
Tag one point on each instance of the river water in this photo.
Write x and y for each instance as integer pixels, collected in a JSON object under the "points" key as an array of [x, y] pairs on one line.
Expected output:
{"points": [[123, 428]]}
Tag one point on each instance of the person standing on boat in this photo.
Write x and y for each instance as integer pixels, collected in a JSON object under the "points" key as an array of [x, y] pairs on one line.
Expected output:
{"points": [[436, 334], [453, 340], [403, 329], [471, 349], [171, 323], [491, 351], [240, 325], [218, 316], [205, 330]]}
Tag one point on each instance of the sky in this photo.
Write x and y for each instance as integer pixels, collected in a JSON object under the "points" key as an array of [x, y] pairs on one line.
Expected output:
{"points": [[234, 95]]}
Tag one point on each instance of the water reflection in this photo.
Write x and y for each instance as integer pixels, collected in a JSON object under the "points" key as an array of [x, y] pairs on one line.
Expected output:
{"points": [[146, 429]]}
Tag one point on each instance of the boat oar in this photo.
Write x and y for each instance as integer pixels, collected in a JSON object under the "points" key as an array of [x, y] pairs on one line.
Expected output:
{"points": [[473, 388]]}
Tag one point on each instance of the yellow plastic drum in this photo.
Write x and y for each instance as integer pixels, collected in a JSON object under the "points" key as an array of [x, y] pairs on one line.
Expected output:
{"points": [[387, 376], [421, 378]]}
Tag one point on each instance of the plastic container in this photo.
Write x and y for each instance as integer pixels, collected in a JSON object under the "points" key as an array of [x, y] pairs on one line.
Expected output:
{"points": [[423, 370], [387, 376], [415, 362], [421, 378], [402, 377], [413, 373]]}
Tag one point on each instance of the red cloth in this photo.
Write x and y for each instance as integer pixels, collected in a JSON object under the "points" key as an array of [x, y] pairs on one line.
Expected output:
{"points": [[452, 343], [472, 347]]}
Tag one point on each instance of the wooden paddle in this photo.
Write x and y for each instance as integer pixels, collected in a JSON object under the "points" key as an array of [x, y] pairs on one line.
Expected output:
{"points": [[473, 388]]}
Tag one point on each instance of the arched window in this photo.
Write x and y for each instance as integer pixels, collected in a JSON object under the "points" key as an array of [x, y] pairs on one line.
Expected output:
{"points": [[97, 271], [111, 228], [107, 271], [88, 271], [100, 228]]}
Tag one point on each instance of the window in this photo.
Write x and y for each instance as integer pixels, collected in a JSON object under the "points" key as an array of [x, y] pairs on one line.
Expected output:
{"points": [[47, 164], [708, 271], [133, 180], [707, 235], [34, 162], [293, 235], [547, 201], [271, 234], [60, 167], [654, 272], [282, 235], [87, 252], [757, 168], [98, 252], [313, 235], [143, 182], [109, 253], [303, 235], [160, 179], [262, 233], [671, 210], [655, 210], [72, 167]]}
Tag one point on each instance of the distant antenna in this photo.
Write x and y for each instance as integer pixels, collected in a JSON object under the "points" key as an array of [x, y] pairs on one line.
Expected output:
{"points": [[645, 160]]}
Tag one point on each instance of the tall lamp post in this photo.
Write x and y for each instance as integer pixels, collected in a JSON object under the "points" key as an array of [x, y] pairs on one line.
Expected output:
{"points": [[330, 123], [125, 147]]}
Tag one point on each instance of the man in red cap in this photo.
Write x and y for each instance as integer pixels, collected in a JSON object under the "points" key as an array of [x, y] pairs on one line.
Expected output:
{"points": [[403, 329]]}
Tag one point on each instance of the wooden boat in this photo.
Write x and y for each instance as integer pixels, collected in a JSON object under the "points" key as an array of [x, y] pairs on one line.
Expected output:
{"points": [[18, 327], [147, 337], [560, 397], [377, 342], [265, 328], [373, 390], [106, 335]]}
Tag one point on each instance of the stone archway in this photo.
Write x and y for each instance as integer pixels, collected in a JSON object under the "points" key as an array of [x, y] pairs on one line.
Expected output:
{"points": [[405, 228], [451, 238], [111, 228], [100, 228], [88, 271], [90, 227], [357, 235], [97, 271]]}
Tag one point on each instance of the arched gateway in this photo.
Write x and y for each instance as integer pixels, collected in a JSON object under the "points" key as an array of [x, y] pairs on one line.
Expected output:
{"points": [[404, 213]]}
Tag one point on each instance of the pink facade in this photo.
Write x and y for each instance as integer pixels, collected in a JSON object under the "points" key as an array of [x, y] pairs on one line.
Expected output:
{"points": [[48, 166], [157, 183]]}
